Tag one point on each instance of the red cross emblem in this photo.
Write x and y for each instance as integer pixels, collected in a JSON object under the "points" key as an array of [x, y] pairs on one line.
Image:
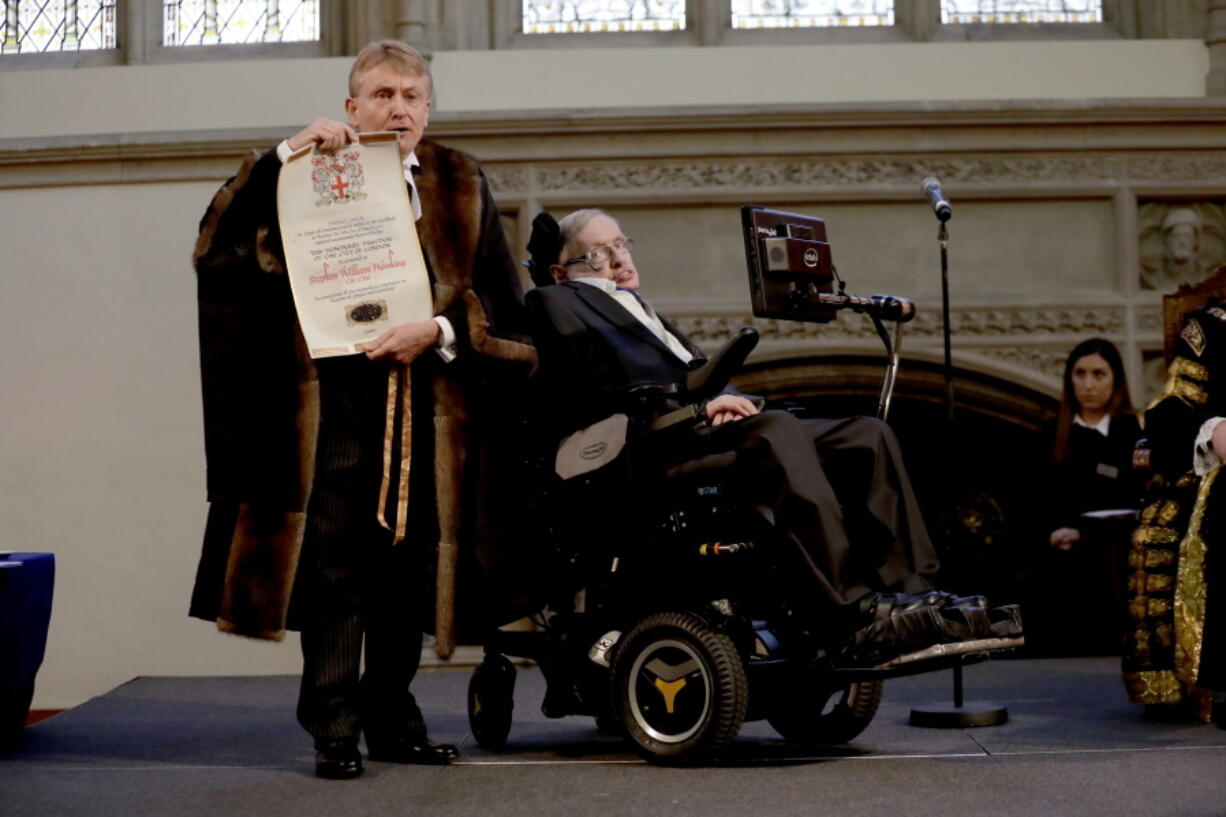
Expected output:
{"points": [[337, 180]]}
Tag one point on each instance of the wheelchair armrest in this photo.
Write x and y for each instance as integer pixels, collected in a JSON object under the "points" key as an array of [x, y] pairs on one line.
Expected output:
{"points": [[684, 414], [711, 377], [642, 399], [665, 405]]}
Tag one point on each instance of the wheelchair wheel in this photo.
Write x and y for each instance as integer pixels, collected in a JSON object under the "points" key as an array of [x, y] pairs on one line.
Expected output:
{"points": [[825, 716], [679, 688], [491, 699]]}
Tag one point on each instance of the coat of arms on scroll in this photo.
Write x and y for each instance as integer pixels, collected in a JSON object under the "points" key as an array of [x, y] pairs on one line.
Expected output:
{"points": [[337, 178]]}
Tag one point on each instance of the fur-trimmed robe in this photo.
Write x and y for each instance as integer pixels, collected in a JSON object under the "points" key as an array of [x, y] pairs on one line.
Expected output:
{"points": [[261, 389]]}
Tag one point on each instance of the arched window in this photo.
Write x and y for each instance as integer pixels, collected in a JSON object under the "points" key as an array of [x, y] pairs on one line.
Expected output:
{"points": [[750, 14], [612, 23], [81, 33], [593, 16], [955, 12], [57, 25], [239, 22]]}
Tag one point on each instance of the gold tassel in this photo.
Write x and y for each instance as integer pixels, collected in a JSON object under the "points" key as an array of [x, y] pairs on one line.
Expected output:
{"points": [[405, 390]]}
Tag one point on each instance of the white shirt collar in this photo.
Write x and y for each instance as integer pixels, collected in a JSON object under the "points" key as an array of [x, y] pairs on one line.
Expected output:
{"points": [[596, 281], [1102, 426]]}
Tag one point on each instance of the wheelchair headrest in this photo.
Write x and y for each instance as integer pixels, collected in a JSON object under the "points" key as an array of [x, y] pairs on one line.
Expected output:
{"points": [[544, 247], [711, 377]]}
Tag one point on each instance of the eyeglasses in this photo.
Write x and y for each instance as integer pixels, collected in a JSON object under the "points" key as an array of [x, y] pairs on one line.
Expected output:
{"points": [[596, 257]]}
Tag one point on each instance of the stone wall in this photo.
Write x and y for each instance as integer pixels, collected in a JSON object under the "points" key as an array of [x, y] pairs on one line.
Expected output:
{"points": [[1060, 205]]}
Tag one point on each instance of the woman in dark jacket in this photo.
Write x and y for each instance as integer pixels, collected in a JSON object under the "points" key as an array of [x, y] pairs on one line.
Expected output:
{"points": [[1095, 436], [1092, 495]]}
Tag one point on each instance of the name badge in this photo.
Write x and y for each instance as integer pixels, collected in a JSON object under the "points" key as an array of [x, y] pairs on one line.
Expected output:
{"points": [[1108, 471]]}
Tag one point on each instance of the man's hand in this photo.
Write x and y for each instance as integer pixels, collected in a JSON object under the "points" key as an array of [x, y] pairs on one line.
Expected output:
{"points": [[404, 343], [729, 407], [329, 134], [1065, 538]]}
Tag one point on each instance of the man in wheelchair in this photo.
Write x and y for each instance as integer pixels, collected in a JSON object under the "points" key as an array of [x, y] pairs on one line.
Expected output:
{"points": [[731, 542]]}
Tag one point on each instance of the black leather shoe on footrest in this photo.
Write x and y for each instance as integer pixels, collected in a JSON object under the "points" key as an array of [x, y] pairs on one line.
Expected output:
{"points": [[408, 750], [890, 637], [980, 602], [338, 760], [1006, 621], [964, 624], [873, 607]]}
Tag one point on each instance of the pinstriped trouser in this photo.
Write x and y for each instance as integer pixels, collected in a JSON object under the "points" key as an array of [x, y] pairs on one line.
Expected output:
{"points": [[362, 588], [807, 471]]}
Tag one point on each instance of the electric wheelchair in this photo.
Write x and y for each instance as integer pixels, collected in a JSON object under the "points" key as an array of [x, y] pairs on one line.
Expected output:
{"points": [[667, 622]]}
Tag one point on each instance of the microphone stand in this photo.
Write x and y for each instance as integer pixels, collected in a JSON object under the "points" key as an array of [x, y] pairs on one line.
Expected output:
{"points": [[943, 240], [957, 716]]}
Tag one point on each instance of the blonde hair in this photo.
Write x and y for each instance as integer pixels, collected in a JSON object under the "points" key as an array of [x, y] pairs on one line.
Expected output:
{"points": [[403, 57]]}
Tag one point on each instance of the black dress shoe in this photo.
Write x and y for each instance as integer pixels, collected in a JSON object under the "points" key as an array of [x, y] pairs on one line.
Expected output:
{"points": [[411, 750], [896, 634], [877, 607], [338, 760], [1006, 621], [964, 624]]}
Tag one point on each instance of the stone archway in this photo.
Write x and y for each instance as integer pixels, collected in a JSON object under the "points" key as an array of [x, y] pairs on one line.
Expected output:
{"points": [[980, 482], [855, 379]]}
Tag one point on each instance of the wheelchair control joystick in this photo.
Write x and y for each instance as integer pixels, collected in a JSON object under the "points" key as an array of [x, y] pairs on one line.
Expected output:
{"points": [[723, 549]]}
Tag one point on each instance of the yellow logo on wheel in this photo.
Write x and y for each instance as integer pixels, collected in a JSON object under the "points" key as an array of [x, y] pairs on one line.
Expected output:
{"points": [[669, 690], [670, 680]]}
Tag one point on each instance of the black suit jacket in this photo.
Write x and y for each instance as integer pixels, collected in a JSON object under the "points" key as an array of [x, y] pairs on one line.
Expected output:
{"points": [[590, 348]]}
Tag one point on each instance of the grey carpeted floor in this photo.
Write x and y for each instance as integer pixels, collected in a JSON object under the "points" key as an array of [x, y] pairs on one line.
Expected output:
{"points": [[230, 746]]}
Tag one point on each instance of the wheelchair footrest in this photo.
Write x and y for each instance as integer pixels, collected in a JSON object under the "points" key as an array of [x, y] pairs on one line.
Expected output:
{"points": [[929, 659], [957, 648]]}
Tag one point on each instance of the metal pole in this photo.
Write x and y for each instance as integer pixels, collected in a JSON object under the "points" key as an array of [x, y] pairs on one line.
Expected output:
{"points": [[943, 239]]}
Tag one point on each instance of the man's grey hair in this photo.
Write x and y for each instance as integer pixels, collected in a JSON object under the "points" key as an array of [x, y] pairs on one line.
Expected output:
{"points": [[403, 57], [571, 225]]}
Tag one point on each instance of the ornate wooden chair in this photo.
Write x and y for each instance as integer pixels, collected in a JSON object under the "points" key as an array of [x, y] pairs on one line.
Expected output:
{"points": [[1175, 305], [1184, 300]]}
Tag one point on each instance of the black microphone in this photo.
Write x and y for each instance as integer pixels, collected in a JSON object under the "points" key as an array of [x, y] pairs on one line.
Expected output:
{"points": [[893, 308], [932, 189]]}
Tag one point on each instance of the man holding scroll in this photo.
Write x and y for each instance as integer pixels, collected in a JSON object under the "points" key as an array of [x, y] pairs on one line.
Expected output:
{"points": [[335, 482]]}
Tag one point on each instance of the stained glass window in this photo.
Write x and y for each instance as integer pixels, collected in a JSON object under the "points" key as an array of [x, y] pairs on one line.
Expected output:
{"points": [[1021, 11], [583, 16], [57, 25], [811, 13], [214, 22]]}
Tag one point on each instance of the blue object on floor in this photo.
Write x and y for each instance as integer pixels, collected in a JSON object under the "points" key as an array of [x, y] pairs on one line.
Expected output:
{"points": [[26, 584]]}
